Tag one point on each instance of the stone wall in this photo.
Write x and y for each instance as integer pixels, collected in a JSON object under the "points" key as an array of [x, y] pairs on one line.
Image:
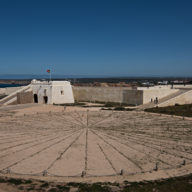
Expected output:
{"points": [[108, 94], [25, 97], [133, 97]]}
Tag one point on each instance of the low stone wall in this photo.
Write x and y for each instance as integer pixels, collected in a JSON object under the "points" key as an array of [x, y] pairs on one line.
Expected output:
{"points": [[133, 97], [108, 94], [25, 97]]}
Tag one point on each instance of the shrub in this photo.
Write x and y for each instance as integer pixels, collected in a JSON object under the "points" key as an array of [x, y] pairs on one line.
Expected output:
{"points": [[119, 109]]}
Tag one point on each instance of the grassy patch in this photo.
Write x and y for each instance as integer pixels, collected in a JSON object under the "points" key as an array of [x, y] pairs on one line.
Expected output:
{"points": [[28, 181], [120, 108], [89, 106], [63, 188], [73, 184], [2, 96], [54, 189], [113, 104], [44, 185], [178, 184], [93, 188], [179, 110], [16, 181], [71, 104], [2, 180]]}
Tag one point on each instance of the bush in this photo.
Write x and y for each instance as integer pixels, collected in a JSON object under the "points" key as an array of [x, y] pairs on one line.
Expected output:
{"points": [[2, 96], [70, 104], [180, 110], [119, 109]]}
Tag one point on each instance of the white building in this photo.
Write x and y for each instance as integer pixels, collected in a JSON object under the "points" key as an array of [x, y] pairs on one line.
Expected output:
{"points": [[52, 92]]}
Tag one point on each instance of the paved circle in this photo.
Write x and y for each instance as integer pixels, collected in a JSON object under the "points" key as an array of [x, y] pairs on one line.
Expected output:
{"points": [[102, 143]]}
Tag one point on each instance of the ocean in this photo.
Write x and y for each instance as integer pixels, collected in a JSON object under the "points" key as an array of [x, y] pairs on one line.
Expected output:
{"points": [[9, 85]]}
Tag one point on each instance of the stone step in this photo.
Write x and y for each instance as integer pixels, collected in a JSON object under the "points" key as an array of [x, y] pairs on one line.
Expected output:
{"points": [[13, 95]]}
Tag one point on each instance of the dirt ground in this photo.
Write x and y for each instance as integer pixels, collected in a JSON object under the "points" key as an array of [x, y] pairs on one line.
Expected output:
{"points": [[56, 143]]}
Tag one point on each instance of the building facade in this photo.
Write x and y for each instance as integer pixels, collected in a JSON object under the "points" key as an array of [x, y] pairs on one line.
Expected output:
{"points": [[52, 92]]}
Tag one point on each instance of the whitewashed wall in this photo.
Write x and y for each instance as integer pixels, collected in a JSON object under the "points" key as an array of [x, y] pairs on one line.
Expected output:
{"points": [[39, 89], [159, 93], [62, 92], [58, 92]]}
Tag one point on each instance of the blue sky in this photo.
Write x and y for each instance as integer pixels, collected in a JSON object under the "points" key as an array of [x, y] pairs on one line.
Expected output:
{"points": [[96, 37]]}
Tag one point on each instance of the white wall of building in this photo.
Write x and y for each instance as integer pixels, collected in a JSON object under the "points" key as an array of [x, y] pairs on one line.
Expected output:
{"points": [[57, 92], [42, 90], [62, 92]]}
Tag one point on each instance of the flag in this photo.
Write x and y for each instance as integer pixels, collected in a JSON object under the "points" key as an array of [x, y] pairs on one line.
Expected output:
{"points": [[48, 70]]}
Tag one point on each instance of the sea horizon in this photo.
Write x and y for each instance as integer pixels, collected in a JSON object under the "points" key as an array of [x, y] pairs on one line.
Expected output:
{"points": [[59, 76]]}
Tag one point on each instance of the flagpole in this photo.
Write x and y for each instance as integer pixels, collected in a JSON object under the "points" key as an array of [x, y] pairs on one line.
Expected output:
{"points": [[49, 71], [50, 76]]}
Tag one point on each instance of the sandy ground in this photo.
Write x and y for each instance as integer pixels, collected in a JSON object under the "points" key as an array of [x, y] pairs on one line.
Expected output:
{"points": [[7, 188], [56, 143]]}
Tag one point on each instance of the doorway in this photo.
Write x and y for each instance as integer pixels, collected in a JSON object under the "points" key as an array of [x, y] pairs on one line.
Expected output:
{"points": [[45, 99], [35, 98]]}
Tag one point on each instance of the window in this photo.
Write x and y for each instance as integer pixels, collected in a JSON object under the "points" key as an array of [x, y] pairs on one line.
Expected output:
{"points": [[62, 92]]}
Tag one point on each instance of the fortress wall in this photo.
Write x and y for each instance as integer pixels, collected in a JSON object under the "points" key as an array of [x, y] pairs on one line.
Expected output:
{"points": [[134, 97], [108, 94], [185, 98], [159, 93], [25, 97]]}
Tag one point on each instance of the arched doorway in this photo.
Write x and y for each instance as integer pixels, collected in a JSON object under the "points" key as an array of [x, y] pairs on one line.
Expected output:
{"points": [[45, 99], [35, 98]]}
